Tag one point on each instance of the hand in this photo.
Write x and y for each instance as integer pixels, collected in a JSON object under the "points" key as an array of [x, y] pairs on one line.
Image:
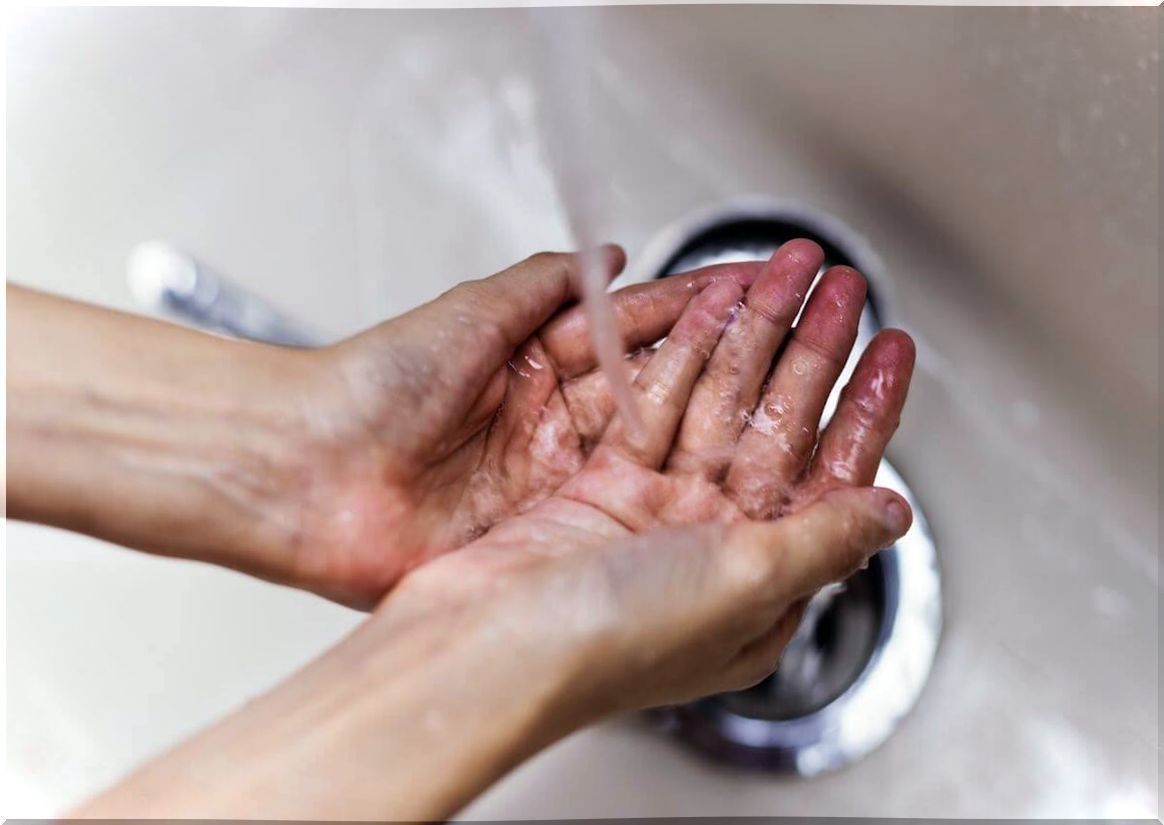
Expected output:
{"points": [[673, 562], [427, 430], [729, 442], [336, 469]]}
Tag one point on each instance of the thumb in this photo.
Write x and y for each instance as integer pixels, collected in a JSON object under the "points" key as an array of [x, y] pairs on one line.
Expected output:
{"points": [[505, 309], [831, 539]]}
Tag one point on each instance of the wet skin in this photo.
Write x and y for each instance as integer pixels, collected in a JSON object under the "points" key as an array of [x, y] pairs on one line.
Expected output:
{"points": [[729, 404], [596, 568], [341, 469], [425, 431], [454, 417]]}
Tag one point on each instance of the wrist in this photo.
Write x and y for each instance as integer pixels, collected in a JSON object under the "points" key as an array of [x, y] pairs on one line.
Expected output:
{"points": [[407, 719], [151, 435], [536, 666], [549, 664], [468, 692], [244, 445]]}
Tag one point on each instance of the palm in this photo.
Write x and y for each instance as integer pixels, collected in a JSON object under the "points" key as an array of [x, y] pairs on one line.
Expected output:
{"points": [[491, 432], [728, 431], [729, 434], [448, 420]]}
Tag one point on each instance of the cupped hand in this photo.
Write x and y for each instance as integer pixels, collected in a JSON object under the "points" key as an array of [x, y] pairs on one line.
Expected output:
{"points": [[675, 560], [426, 430]]}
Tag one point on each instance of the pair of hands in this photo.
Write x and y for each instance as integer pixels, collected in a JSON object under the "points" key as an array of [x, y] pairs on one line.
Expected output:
{"points": [[533, 565], [665, 563]]}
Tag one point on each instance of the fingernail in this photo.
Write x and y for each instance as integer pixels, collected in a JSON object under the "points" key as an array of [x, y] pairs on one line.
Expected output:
{"points": [[897, 516]]}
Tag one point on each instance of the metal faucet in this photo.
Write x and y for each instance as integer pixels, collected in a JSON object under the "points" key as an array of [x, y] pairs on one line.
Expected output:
{"points": [[169, 282]]}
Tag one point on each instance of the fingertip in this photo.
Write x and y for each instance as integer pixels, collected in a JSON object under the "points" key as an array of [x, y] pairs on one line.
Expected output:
{"points": [[896, 346], [896, 514], [615, 257], [846, 279], [610, 258], [834, 308], [803, 251], [884, 372], [778, 294]]}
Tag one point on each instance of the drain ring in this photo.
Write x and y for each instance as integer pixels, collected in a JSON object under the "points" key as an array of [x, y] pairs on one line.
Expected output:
{"points": [[887, 679]]}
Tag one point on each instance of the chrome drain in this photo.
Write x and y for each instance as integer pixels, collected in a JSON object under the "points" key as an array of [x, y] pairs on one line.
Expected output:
{"points": [[862, 655]]}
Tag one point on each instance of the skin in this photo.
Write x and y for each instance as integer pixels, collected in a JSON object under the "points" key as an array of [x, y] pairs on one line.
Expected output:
{"points": [[699, 459], [335, 470], [599, 568], [473, 664], [438, 425]]}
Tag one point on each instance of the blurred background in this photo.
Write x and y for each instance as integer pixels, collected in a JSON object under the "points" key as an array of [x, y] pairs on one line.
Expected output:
{"points": [[347, 165]]}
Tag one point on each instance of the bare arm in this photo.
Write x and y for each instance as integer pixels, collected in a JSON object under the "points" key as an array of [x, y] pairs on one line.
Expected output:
{"points": [[643, 580], [484, 657], [335, 469], [150, 435], [407, 719]]}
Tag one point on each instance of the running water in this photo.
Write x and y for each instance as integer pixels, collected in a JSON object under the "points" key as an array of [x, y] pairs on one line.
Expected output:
{"points": [[572, 135]]}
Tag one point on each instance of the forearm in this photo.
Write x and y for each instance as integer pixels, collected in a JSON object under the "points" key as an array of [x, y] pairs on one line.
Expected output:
{"points": [[148, 434], [407, 719]]}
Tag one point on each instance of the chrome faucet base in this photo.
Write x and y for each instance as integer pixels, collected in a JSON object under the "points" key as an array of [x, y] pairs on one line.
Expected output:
{"points": [[170, 283]]}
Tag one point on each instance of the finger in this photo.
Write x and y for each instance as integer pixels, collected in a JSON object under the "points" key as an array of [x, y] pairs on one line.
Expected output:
{"points": [[644, 314], [775, 447], [730, 387], [759, 658], [825, 542], [540, 447], [867, 415], [492, 316], [530, 381], [663, 386], [523, 385], [590, 401]]}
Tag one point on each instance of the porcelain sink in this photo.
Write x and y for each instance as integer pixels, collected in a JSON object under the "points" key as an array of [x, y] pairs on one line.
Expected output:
{"points": [[1002, 163]]}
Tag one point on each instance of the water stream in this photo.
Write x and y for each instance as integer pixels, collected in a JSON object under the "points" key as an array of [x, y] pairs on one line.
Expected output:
{"points": [[572, 137]]}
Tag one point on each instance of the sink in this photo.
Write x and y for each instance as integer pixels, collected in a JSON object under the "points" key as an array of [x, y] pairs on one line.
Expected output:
{"points": [[1001, 163]]}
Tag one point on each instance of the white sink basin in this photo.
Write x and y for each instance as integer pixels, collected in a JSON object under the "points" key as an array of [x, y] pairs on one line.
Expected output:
{"points": [[1002, 162]]}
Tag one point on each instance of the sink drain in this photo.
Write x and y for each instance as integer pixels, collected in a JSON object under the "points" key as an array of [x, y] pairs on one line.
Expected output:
{"points": [[863, 653], [836, 640]]}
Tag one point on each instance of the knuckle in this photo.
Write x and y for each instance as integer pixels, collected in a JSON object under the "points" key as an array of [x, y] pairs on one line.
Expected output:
{"points": [[473, 297], [490, 332], [560, 263], [769, 312], [858, 538], [822, 351], [750, 567], [543, 257]]}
